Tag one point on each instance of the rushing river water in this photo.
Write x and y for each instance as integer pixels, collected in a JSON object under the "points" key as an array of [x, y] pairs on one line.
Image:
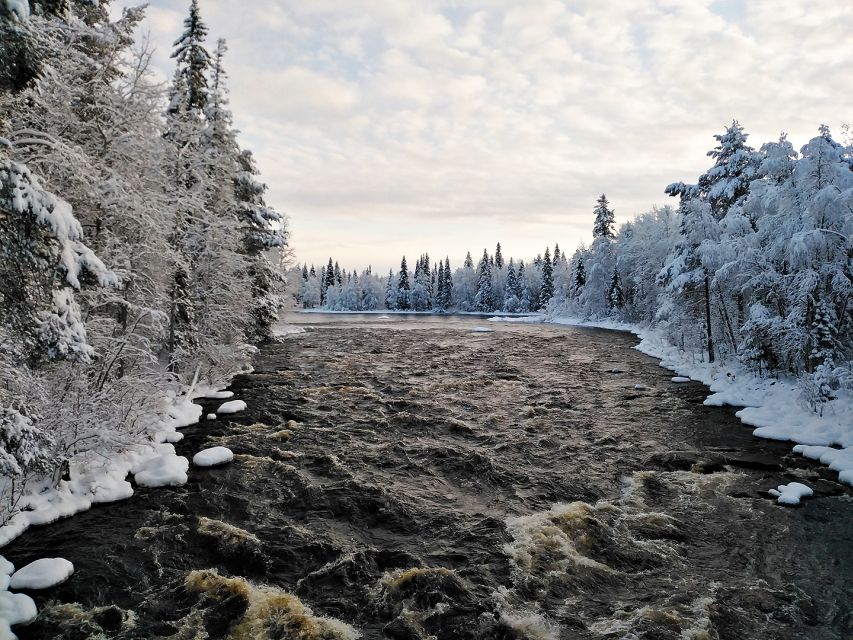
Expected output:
{"points": [[416, 478]]}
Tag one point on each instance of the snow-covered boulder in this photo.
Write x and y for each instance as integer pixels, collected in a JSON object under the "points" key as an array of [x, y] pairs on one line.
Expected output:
{"points": [[232, 406], [482, 330], [213, 457], [680, 379], [791, 493], [168, 470], [218, 395], [211, 416], [42, 574], [6, 571], [16, 608]]}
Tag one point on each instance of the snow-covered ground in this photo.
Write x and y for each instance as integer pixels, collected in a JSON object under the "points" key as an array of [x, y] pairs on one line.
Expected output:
{"points": [[772, 405]]}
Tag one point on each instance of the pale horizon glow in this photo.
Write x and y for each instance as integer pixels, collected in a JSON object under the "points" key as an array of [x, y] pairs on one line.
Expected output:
{"points": [[405, 126]]}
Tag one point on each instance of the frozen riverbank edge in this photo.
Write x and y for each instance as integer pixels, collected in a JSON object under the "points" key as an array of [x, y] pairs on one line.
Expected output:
{"points": [[773, 405]]}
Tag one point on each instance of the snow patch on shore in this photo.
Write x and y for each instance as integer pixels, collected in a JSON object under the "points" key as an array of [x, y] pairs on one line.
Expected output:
{"points": [[95, 479]]}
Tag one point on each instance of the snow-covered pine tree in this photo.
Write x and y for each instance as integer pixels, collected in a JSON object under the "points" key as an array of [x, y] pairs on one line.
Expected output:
{"points": [[499, 259], [604, 219]]}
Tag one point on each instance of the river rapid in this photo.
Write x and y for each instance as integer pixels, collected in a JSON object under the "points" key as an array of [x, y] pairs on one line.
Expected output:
{"points": [[418, 477]]}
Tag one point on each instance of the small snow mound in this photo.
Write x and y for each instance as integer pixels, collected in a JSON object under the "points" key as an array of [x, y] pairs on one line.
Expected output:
{"points": [[640, 387], [174, 437], [42, 574], [482, 330], [232, 406], [16, 608], [616, 370], [168, 470], [791, 493], [680, 379], [213, 457], [211, 416]]}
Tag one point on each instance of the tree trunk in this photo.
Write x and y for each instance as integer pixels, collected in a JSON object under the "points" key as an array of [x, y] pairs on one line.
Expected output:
{"points": [[708, 318]]}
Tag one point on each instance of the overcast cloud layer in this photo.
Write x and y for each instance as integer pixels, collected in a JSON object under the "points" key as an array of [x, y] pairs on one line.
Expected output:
{"points": [[402, 126]]}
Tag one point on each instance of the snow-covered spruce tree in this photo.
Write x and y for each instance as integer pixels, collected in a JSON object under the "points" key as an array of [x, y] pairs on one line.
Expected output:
{"points": [[615, 295], [465, 284], [263, 229], [604, 219], [185, 120], [483, 299], [579, 276], [403, 286], [391, 291], [726, 183], [547, 291], [327, 277], [447, 299], [522, 291], [511, 302], [438, 302]]}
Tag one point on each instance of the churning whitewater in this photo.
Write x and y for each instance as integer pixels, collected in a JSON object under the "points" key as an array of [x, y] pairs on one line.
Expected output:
{"points": [[414, 478]]}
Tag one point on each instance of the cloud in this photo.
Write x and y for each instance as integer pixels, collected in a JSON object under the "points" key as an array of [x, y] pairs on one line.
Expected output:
{"points": [[500, 120]]}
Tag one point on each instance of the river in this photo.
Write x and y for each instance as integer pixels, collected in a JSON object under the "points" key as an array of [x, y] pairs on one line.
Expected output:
{"points": [[420, 477]]}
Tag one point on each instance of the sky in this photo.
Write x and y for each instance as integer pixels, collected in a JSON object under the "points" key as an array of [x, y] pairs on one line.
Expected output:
{"points": [[391, 127]]}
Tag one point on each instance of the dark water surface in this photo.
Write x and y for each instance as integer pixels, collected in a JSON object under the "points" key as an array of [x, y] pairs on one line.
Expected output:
{"points": [[412, 478]]}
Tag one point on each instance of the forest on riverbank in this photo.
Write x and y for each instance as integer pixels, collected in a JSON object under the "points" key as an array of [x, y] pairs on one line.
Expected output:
{"points": [[755, 263], [134, 236]]}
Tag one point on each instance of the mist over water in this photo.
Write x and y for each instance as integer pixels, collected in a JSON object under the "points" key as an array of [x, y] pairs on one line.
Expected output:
{"points": [[414, 478]]}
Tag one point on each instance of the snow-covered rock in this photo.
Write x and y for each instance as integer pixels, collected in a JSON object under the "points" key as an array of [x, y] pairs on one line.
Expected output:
{"points": [[19, 8], [218, 395], [42, 574], [640, 387], [482, 330], [233, 406], [16, 608], [791, 493], [211, 416], [616, 370], [168, 470], [6, 571], [173, 437], [680, 379], [213, 457]]}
